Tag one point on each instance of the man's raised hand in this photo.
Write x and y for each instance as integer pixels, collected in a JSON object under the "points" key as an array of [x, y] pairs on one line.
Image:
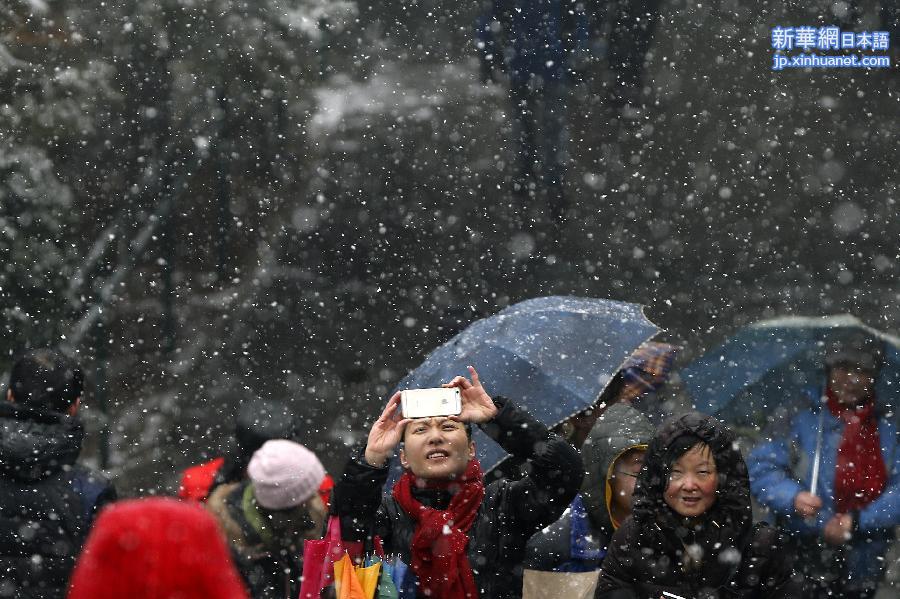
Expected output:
{"points": [[477, 405], [386, 433]]}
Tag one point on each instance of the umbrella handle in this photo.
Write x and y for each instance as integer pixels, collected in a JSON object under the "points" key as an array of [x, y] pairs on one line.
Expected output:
{"points": [[817, 458], [817, 461]]}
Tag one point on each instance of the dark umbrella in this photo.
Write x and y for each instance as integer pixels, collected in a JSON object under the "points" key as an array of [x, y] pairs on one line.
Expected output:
{"points": [[551, 355], [762, 375]]}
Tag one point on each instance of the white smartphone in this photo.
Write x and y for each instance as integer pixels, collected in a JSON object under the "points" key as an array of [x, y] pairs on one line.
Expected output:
{"points": [[423, 403]]}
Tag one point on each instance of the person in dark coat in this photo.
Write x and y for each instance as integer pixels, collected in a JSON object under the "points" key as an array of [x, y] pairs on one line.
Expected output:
{"points": [[691, 531], [267, 517], [536, 43], [459, 537], [155, 548], [47, 500], [845, 528], [628, 27], [613, 454]]}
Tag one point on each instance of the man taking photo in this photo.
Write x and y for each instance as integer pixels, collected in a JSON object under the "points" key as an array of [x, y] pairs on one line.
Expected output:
{"points": [[461, 539]]}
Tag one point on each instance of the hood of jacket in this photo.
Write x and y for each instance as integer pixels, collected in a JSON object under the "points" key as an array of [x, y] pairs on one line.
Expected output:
{"points": [[155, 547], [726, 526], [36, 444], [618, 429]]}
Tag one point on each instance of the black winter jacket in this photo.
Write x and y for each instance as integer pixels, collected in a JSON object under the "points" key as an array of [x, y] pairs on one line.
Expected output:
{"points": [[509, 514], [47, 502], [648, 554]]}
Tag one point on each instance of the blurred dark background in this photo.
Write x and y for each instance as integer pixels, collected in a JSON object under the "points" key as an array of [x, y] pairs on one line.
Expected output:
{"points": [[300, 199]]}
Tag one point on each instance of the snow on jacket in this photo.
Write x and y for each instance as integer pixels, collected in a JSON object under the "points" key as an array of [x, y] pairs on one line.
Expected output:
{"points": [[510, 513], [647, 554], [782, 468], [578, 540], [47, 501]]}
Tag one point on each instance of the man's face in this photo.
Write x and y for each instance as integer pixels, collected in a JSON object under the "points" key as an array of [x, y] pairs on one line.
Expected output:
{"points": [[436, 448], [623, 476], [851, 385]]}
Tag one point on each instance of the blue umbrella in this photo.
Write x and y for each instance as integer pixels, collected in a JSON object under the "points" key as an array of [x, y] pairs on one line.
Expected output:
{"points": [[551, 355], [761, 376]]}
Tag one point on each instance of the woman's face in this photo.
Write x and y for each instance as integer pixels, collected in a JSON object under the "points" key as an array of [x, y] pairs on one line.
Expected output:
{"points": [[693, 481]]}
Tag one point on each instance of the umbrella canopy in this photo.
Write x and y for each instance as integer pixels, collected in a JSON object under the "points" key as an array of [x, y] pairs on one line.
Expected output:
{"points": [[551, 355], [763, 374]]}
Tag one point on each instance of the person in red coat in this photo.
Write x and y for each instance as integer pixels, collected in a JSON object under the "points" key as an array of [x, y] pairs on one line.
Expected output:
{"points": [[155, 548]]}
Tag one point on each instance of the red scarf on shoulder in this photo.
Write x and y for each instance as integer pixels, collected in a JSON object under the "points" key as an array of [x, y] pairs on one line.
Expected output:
{"points": [[440, 542], [860, 474]]}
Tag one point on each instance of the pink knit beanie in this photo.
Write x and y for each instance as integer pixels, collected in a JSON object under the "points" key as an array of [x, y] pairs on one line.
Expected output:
{"points": [[284, 474]]}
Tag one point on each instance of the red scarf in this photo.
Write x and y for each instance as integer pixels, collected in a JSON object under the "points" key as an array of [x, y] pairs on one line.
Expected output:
{"points": [[860, 475], [439, 544]]}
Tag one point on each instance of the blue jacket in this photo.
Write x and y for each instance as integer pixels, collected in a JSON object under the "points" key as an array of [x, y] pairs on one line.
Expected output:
{"points": [[783, 467]]}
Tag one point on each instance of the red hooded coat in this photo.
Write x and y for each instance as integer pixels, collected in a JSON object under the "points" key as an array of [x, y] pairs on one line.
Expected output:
{"points": [[156, 548]]}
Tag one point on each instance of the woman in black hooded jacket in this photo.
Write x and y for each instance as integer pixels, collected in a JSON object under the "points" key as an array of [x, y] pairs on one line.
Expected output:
{"points": [[691, 532]]}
